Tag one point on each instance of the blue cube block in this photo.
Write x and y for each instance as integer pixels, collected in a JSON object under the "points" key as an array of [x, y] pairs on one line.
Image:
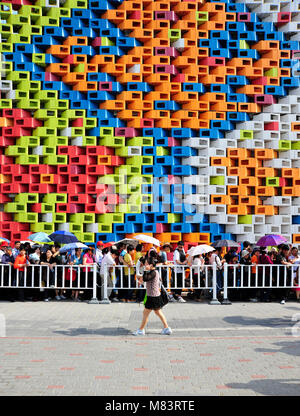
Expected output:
{"points": [[166, 105], [193, 87], [237, 98], [248, 53], [153, 132], [139, 86], [100, 77], [183, 132], [149, 228]]}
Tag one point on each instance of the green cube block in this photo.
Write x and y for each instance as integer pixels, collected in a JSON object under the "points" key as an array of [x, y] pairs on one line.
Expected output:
{"points": [[27, 85], [173, 218], [45, 114], [105, 228], [217, 180], [112, 141], [30, 217], [28, 141], [27, 198], [111, 179], [45, 227], [31, 30], [273, 72], [88, 237], [56, 160], [16, 150], [33, 11], [5, 103], [76, 228], [284, 145], [73, 114], [272, 181], [201, 17], [55, 198], [76, 4], [27, 160], [110, 218], [139, 141], [60, 218], [244, 45], [127, 170], [59, 12], [140, 160], [14, 207], [246, 134], [295, 145], [45, 208], [55, 141], [244, 219], [6, 47], [174, 34], [45, 95], [28, 104], [162, 151]]}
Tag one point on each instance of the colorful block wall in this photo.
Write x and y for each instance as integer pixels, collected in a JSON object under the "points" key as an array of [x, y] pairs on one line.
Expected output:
{"points": [[179, 119]]}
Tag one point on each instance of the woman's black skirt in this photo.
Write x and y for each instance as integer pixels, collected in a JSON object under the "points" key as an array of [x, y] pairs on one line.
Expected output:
{"points": [[153, 302]]}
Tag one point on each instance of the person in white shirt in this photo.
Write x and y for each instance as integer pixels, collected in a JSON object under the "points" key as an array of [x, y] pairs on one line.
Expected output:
{"points": [[197, 269], [99, 254], [216, 258], [294, 258], [108, 262], [178, 273], [16, 249]]}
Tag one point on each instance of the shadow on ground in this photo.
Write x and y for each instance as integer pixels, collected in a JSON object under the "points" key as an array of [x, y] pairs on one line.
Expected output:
{"points": [[285, 347], [270, 387], [74, 332], [268, 322]]}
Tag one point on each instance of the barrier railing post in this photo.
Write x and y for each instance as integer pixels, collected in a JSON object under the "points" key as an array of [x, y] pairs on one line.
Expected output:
{"points": [[94, 299], [214, 300], [225, 300], [105, 299]]}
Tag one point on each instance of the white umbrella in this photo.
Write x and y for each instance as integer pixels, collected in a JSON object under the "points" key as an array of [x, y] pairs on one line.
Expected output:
{"points": [[73, 246], [147, 239], [128, 241], [201, 249]]}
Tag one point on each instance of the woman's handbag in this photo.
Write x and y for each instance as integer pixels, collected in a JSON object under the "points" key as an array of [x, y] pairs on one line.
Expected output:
{"points": [[164, 296], [145, 299], [68, 274]]}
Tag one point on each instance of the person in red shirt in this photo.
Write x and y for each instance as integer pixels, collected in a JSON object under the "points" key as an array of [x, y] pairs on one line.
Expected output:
{"points": [[19, 265]]}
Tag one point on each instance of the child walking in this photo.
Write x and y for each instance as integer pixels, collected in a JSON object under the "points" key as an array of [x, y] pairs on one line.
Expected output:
{"points": [[153, 303]]}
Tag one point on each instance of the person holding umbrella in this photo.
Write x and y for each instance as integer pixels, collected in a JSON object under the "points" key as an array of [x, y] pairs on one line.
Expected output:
{"points": [[88, 258], [178, 273], [76, 260], [153, 303]]}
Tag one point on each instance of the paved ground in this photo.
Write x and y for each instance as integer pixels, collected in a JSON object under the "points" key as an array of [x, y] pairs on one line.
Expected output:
{"points": [[65, 348]]}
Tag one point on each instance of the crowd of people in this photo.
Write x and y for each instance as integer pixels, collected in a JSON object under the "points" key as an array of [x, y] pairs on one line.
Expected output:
{"points": [[23, 257]]}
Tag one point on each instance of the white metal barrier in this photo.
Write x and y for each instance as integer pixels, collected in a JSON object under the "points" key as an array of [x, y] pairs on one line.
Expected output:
{"points": [[173, 277], [38, 276], [260, 276], [206, 277]]}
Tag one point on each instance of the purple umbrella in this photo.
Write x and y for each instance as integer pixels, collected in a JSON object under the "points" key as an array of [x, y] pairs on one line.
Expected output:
{"points": [[271, 240]]}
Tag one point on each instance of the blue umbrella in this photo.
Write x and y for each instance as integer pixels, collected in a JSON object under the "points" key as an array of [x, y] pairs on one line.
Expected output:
{"points": [[40, 237], [63, 237], [72, 246]]}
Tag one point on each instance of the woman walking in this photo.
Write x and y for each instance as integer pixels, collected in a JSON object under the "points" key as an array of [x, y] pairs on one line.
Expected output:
{"points": [[153, 302]]}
